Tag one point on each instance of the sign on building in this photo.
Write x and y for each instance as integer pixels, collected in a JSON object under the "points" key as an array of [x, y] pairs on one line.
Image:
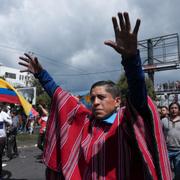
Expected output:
{"points": [[29, 93]]}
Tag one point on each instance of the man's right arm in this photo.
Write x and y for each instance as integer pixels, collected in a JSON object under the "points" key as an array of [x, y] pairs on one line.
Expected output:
{"points": [[47, 82], [33, 66]]}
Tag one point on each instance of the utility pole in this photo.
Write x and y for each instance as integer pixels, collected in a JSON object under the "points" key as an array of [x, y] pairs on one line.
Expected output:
{"points": [[150, 59]]}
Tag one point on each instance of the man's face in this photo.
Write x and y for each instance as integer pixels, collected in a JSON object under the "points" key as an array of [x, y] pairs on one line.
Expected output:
{"points": [[164, 111], [174, 111], [103, 103]]}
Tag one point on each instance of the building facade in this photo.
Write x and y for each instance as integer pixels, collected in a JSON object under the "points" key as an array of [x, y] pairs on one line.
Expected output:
{"points": [[15, 77]]}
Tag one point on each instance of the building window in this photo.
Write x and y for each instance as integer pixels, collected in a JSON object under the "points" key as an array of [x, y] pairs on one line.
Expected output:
{"points": [[10, 75]]}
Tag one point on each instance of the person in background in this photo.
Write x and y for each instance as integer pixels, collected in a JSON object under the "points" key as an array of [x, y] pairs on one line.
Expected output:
{"points": [[42, 122], [106, 142], [8, 110], [171, 128], [30, 124], [24, 120], [4, 118], [15, 125], [164, 112]]}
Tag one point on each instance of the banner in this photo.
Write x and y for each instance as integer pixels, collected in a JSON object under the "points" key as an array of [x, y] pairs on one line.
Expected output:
{"points": [[29, 93]]}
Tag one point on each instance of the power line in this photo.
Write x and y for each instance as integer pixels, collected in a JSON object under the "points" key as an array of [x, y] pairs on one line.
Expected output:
{"points": [[85, 74], [11, 48], [54, 63], [51, 60]]}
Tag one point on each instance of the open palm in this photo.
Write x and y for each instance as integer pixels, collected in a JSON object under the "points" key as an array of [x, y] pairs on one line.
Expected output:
{"points": [[31, 63], [125, 40]]}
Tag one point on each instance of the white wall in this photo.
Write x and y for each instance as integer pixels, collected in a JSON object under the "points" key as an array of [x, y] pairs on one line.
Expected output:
{"points": [[14, 76]]}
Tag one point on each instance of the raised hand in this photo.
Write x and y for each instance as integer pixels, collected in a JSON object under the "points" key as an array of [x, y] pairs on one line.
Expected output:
{"points": [[125, 40], [31, 63]]}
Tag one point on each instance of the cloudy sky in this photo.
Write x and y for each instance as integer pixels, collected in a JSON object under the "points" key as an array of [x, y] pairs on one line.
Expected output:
{"points": [[68, 36]]}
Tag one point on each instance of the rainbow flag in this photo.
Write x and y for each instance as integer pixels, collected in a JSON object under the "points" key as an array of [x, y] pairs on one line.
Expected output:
{"points": [[10, 95]]}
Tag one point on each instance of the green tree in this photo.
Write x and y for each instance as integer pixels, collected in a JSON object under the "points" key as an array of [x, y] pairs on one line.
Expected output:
{"points": [[41, 95], [150, 88], [122, 83], [2, 77]]}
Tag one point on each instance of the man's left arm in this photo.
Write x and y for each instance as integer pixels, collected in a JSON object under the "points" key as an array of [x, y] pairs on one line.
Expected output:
{"points": [[126, 44], [136, 81]]}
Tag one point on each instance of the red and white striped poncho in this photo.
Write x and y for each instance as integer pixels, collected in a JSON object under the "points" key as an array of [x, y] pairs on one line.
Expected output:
{"points": [[131, 149]]}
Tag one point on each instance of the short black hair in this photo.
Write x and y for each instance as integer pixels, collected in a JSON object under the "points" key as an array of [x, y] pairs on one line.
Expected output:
{"points": [[3, 107], [164, 107], [111, 87], [173, 104]]}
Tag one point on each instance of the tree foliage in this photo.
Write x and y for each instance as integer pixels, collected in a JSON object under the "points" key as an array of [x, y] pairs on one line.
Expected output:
{"points": [[150, 88], [41, 95], [122, 83], [2, 77]]}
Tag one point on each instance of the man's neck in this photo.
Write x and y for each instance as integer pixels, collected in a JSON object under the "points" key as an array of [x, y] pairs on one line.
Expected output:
{"points": [[110, 119]]}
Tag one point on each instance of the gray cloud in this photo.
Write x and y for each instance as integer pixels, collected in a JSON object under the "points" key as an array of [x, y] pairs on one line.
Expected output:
{"points": [[7, 6], [68, 36]]}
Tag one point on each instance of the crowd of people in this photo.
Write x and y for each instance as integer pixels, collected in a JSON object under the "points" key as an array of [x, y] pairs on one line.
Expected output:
{"points": [[170, 118], [22, 123], [168, 86], [13, 121]]}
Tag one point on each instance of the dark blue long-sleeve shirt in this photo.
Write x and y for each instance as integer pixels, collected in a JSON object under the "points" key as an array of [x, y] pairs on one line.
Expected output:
{"points": [[47, 82], [135, 79]]}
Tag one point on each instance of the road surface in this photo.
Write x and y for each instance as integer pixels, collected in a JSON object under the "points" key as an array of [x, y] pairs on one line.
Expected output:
{"points": [[27, 166]]}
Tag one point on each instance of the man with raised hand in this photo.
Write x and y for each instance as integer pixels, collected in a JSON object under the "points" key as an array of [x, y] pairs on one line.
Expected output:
{"points": [[108, 142]]}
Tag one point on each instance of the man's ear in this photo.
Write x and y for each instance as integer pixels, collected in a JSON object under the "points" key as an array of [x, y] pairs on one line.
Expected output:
{"points": [[118, 102]]}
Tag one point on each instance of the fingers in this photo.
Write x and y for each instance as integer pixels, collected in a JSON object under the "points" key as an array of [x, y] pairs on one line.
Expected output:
{"points": [[25, 70], [136, 28], [115, 25], [114, 46], [23, 64], [121, 21], [27, 59], [24, 59], [30, 63], [28, 55], [124, 23], [110, 43], [127, 21]]}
